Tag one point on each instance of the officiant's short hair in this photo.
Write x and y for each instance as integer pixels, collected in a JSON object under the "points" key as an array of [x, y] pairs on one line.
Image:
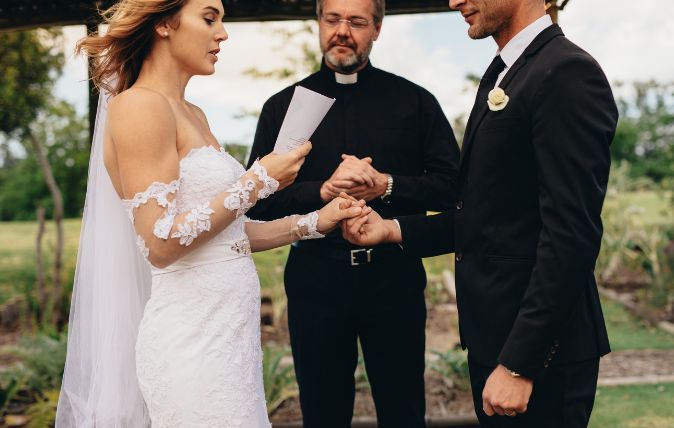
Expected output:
{"points": [[379, 9]]}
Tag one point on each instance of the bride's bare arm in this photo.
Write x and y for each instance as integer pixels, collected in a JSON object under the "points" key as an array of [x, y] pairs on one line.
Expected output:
{"points": [[143, 131], [266, 235]]}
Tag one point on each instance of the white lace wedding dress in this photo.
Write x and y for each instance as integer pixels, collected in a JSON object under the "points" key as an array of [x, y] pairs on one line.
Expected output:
{"points": [[198, 356]]}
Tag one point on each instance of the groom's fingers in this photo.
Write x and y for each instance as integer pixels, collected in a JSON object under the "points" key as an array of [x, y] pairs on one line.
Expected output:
{"points": [[486, 407], [356, 224]]}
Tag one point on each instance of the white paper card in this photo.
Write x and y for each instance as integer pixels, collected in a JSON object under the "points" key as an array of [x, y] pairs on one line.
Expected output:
{"points": [[306, 111]]}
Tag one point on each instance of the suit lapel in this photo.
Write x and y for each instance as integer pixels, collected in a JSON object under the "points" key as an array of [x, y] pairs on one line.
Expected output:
{"points": [[481, 108]]}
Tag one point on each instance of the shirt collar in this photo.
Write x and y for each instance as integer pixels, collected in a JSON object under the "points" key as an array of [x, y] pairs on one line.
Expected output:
{"points": [[346, 79], [516, 46]]}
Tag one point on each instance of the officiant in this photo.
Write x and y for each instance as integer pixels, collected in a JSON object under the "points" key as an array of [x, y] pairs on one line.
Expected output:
{"points": [[385, 140]]}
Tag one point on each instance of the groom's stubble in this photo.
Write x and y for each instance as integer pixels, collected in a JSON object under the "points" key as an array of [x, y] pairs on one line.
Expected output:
{"points": [[495, 16]]}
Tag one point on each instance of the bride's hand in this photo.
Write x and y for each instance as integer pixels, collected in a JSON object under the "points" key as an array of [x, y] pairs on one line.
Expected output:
{"points": [[337, 210], [284, 168]]}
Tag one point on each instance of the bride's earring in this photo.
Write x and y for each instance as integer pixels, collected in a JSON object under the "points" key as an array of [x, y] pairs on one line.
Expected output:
{"points": [[165, 34]]}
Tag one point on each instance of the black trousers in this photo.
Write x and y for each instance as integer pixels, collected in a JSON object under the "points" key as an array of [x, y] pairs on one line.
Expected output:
{"points": [[563, 398], [330, 306]]}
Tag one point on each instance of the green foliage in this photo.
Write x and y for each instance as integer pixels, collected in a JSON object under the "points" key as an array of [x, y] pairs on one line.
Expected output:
{"points": [[30, 62], [65, 136], [639, 236], [645, 134], [41, 361], [9, 386], [298, 65], [42, 413], [279, 380], [238, 152], [453, 366]]}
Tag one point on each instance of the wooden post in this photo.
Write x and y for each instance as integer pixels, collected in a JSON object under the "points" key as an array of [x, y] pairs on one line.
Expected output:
{"points": [[57, 199], [553, 7], [92, 27], [39, 268]]}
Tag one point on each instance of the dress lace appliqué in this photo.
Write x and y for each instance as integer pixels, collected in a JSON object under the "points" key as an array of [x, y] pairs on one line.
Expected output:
{"points": [[157, 191], [196, 222], [240, 200]]}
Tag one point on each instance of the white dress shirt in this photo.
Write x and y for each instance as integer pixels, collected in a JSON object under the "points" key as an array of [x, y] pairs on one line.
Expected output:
{"points": [[516, 46]]}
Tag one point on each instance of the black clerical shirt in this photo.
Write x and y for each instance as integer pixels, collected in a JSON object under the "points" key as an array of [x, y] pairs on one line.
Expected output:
{"points": [[398, 124]]}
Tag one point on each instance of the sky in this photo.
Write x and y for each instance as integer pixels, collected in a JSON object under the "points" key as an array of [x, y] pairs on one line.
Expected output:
{"points": [[631, 40]]}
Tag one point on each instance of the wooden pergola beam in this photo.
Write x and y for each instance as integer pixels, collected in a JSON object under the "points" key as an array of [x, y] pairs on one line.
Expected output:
{"points": [[25, 14]]}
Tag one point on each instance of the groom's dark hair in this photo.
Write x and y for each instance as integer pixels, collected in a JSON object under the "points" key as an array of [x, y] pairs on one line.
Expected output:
{"points": [[379, 9]]}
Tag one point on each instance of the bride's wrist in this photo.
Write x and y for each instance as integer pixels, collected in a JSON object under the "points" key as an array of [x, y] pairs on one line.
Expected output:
{"points": [[266, 185]]}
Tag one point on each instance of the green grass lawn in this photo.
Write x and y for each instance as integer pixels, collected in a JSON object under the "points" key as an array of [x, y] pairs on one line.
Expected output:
{"points": [[655, 206], [639, 406], [627, 332]]}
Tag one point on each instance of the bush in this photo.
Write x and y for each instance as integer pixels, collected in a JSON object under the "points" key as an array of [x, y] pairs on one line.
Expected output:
{"points": [[453, 367], [279, 380]]}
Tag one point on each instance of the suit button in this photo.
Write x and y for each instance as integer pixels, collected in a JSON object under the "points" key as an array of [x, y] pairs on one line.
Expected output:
{"points": [[459, 205], [545, 364], [458, 257]]}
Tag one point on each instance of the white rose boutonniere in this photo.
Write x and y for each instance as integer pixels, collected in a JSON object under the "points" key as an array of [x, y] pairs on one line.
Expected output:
{"points": [[497, 99]]}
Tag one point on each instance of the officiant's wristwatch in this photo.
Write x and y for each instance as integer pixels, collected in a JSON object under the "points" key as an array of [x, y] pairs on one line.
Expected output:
{"points": [[386, 197]]}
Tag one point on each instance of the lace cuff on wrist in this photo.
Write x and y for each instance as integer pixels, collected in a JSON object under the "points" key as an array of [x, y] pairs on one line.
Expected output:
{"points": [[269, 184], [306, 227], [240, 200]]}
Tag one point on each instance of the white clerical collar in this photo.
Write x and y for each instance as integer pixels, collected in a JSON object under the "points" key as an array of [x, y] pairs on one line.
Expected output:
{"points": [[516, 46], [346, 79]]}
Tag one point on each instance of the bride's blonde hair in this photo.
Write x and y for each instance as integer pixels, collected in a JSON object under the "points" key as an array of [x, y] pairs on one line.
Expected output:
{"points": [[120, 52]]}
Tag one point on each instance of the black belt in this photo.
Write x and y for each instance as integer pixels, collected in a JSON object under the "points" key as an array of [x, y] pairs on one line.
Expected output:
{"points": [[353, 256]]}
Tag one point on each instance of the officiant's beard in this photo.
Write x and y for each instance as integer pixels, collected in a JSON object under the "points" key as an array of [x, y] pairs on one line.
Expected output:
{"points": [[350, 63]]}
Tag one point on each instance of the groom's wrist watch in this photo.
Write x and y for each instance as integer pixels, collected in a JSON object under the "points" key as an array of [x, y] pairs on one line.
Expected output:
{"points": [[511, 372], [386, 197]]}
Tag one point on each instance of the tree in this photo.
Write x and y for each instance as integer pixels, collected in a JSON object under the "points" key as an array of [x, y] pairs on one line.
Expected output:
{"points": [[645, 134], [554, 7], [31, 61]]}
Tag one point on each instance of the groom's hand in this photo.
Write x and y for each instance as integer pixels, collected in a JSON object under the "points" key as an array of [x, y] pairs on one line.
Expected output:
{"points": [[370, 229], [505, 394]]}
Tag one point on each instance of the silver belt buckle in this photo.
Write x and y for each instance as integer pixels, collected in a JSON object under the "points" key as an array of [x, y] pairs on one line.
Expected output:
{"points": [[367, 251]]}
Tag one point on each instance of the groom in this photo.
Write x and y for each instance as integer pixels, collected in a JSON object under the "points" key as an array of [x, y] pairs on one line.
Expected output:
{"points": [[526, 226]]}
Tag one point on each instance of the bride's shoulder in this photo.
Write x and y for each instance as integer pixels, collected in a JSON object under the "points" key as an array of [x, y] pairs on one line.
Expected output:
{"points": [[146, 102], [138, 113], [139, 110]]}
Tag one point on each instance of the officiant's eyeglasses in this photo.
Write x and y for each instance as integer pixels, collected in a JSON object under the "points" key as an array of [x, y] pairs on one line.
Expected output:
{"points": [[353, 23]]}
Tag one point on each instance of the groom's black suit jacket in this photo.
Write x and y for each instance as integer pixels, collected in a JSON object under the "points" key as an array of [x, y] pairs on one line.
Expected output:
{"points": [[526, 228]]}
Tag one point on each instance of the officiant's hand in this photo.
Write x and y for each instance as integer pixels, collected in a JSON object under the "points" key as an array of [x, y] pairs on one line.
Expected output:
{"points": [[505, 394], [370, 229], [338, 210], [284, 168], [356, 177]]}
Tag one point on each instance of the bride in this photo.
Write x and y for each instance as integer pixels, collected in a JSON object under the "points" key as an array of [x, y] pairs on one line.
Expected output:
{"points": [[164, 326]]}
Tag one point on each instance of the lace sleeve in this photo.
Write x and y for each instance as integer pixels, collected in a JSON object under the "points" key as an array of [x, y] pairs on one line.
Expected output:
{"points": [[189, 226]]}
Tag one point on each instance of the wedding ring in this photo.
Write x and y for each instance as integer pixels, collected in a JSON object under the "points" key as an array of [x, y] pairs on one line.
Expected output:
{"points": [[509, 412]]}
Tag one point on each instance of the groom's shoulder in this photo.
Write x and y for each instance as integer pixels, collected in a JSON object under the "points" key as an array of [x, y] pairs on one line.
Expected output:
{"points": [[564, 53]]}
